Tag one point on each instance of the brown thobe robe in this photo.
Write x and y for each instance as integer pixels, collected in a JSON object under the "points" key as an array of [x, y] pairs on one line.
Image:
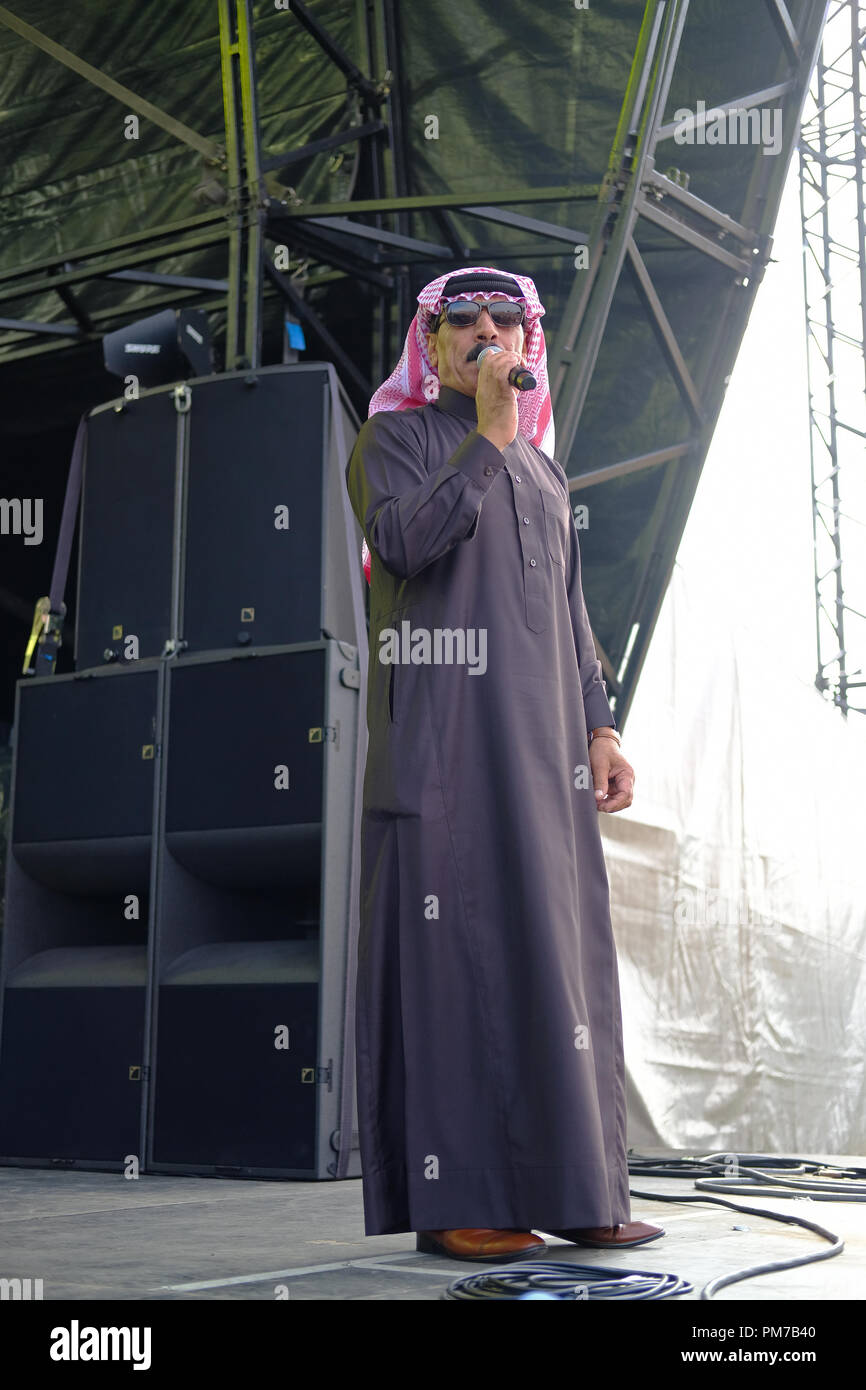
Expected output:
{"points": [[490, 1073]]}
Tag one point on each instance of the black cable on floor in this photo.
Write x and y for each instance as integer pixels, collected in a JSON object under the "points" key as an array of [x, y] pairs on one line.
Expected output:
{"points": [[720, 1164], [560, 1280], [805, 1178], [841, 1187]]}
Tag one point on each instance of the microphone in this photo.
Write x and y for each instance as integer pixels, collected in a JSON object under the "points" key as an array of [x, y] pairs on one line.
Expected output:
{"points": [[518, 376]]}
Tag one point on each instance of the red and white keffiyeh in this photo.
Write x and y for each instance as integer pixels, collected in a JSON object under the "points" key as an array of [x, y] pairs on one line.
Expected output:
{"points": [[415, 382]]}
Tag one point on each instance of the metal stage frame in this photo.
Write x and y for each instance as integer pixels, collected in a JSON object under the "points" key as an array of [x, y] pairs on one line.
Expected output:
{"points": [[369, 237], [833, 211]]}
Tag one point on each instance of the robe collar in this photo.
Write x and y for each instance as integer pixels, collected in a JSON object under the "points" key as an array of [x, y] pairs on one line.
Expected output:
{"points": [[455, 403]]}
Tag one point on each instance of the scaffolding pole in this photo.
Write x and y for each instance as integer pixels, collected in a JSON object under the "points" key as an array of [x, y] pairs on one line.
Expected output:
{"points": [[832, 155]]}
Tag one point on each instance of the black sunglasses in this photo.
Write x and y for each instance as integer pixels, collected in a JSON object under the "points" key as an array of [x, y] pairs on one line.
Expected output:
{"points": [[463, 313]]}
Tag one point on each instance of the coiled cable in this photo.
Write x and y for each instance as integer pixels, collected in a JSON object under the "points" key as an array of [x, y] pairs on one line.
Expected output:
{"points": [[806, 1179]]}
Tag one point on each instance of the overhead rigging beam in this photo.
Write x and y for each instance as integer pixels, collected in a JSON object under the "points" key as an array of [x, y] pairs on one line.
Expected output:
{"points": [[697, 205], [529, 224], [379, 234], [623, 467], [152, 234], [40, 340], [457, 202], [653, 211], [31, 326], [327, 142], [77, 273], [665, 334], [324, 246], [184, 282], [373, 93], [700, 119], [785, 28], [185, 133]]}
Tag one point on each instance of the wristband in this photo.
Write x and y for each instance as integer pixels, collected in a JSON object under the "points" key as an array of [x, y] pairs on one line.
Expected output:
{"points": [[606, 732]]}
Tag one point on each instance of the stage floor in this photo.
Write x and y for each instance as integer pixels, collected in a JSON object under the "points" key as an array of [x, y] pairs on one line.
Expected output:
{"points": [[97, 1236]]}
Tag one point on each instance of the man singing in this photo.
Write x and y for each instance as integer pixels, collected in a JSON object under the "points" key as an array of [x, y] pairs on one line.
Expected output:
{"points": [[490, 1073]]}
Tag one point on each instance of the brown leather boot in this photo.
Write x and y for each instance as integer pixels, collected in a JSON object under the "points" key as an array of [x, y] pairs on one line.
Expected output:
{"points": [[612, 1237], [480, 1244]]}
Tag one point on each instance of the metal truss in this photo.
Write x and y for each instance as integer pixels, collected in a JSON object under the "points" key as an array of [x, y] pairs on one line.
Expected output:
{"points": [[635, 191], [254, 206], [118, 257], [369, 237], [833, 209]]}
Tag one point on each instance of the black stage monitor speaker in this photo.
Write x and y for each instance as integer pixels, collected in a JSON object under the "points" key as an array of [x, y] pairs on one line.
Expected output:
{"points": [[253, 906], [74, 969], [174, 984], [215, 515], [161, 348]]}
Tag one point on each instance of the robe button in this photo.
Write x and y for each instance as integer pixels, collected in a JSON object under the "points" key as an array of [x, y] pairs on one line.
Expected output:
{"points": [[488, 471], [532, 562], [526, 521], [517, 477]]}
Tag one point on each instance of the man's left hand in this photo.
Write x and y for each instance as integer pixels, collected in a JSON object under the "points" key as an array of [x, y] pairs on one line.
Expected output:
{"points": [[612, 775]]}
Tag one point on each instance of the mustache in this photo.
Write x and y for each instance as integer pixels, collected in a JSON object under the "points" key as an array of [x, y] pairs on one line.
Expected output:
{"points": [[475, 352]]}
